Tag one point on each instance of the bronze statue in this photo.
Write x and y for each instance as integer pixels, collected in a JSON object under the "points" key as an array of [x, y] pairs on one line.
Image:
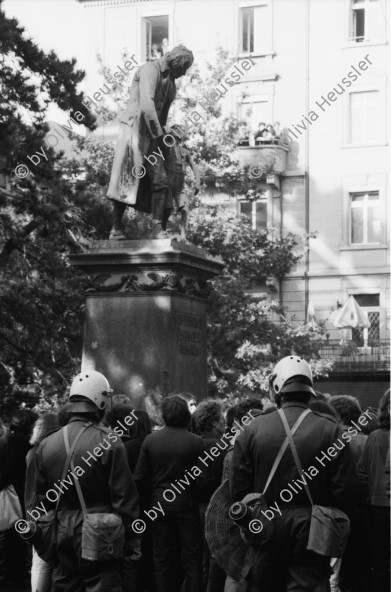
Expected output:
{"points": [[138, 176], [177, 158]]}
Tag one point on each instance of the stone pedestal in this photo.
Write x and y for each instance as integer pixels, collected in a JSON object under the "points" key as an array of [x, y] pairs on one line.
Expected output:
{"points": [[145, 326]]}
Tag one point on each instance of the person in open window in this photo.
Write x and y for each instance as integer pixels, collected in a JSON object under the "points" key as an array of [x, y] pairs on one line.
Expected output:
{"points": [[259, 133]]}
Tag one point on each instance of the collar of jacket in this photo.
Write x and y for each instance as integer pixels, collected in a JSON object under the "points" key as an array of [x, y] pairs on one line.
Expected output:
{"points": [[213, 434], [294, 404]]}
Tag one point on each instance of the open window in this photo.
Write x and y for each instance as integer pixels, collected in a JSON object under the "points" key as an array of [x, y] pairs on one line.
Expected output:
{"points": [[367, 20], [255, 29], [155, 37]]}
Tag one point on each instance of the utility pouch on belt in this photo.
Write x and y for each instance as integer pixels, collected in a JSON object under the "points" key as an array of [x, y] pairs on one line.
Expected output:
{"points": [[103, 534], [249, 514], [43, 533], [330, 527]]}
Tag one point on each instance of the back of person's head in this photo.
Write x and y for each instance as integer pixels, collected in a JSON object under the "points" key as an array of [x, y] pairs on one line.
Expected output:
{"points": [[44, 425], [118, 413], [323, 406], [347, 407], [91, 413], [373, 421], [207, 414], [175, 412], [291, 380], [142, 425], [246, 405], [22, 422], [121, 399], [384, 411]]}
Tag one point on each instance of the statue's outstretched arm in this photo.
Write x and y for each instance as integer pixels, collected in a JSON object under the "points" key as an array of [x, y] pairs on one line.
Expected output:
{"points": [[149, 78]]}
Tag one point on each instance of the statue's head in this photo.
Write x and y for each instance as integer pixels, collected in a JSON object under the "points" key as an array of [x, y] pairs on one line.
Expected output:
{"points": [[179, 60]]}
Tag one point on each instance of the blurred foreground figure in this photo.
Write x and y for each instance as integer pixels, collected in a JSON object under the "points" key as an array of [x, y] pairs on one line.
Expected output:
{"points": [[373, 478], [284, 563]]}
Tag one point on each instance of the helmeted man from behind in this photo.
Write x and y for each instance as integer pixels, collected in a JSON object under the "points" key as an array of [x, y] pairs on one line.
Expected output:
{"points": [[100, 468], [284, 563]]}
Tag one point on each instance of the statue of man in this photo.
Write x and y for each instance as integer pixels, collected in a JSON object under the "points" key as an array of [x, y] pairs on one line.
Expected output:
{"points": [[138, 176]]}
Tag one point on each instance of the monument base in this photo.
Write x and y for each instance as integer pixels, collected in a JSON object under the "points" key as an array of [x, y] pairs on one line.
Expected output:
{"points": [[145, 326]]}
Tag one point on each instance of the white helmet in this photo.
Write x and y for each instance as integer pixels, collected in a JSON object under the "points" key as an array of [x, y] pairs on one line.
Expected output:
{"points": [[292, 374], [92, 385]]}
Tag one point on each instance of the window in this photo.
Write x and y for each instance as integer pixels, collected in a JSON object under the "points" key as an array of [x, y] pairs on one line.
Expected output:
{"points": [[365, 117], [256, 211], [155, 35], [255, 29], [366, 20], [365, 218], [370, 305]]}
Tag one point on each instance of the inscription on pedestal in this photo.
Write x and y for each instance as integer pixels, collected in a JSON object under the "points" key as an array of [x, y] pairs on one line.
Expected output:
{"points": [[189, 334]]}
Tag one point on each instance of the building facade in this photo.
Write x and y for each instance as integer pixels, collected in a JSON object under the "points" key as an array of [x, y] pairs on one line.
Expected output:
{"points": [[320, 69]]}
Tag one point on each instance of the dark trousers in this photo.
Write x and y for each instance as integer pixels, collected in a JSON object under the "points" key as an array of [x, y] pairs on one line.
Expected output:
{"points": [[355, 571], [284, 564], [71, 572], [183, 528], [380, 545]]}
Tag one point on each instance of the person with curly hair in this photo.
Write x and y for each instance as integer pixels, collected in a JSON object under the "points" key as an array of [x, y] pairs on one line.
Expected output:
{"points": [[348, 409], [373, 479]]}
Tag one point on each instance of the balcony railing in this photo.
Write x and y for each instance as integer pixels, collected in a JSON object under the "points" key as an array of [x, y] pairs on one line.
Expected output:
{"points": [[270, 158], [349, 358]]}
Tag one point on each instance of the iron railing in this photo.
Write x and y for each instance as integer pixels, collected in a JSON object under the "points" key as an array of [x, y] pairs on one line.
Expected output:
{"points": [[348, 357]]}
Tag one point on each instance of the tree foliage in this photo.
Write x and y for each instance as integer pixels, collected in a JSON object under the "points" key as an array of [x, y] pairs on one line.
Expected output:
{"points": [[49, 215]]}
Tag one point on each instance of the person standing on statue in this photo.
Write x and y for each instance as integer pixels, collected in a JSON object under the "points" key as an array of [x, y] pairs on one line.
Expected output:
{"points": [[176, 159], [138, 176]]}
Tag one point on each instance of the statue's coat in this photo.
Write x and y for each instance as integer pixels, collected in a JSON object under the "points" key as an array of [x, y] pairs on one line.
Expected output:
{"points": [[151, 93]]}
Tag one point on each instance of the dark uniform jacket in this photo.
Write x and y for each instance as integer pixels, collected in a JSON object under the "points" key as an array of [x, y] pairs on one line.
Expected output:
{"points": [[256, 448], [107, 483]]}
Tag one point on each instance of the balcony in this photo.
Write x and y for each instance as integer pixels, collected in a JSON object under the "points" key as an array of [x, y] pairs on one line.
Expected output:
{"points": [[271, 158], [349, 359]]}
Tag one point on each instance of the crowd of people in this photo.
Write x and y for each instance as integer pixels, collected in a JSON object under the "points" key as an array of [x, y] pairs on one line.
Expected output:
{"points": [[264, 134], [159, 476]]}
